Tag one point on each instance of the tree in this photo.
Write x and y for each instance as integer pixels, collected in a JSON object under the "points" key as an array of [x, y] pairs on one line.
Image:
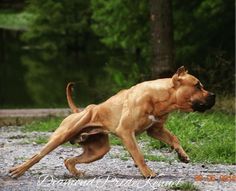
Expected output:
{"points": [[123, 26], [162, 38], [204, 38], [60, 25]]}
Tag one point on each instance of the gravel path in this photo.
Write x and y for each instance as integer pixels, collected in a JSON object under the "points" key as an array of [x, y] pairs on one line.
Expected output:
{"points": [[109, 173]]}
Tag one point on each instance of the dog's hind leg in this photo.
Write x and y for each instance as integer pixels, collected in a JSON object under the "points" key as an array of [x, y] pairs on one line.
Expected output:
{"points": [[20, 169], [95, 147], [60, 136]]}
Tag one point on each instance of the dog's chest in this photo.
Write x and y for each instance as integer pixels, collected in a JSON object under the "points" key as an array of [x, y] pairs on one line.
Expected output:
{"points": [[147, 123], [152, 120]]}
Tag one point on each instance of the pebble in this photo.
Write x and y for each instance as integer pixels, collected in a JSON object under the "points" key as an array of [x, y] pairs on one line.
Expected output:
{"points": [[113, 172]]}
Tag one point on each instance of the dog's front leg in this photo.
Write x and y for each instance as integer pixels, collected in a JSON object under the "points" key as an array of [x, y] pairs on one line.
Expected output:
{"points": [[161, 133], [129, 141]]}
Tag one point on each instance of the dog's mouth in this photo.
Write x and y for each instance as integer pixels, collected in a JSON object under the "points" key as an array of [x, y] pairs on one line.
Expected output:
{"points": [[201, 106]]}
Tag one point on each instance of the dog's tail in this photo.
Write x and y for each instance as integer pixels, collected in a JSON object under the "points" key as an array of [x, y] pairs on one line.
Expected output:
{"points": [[69, 97]]}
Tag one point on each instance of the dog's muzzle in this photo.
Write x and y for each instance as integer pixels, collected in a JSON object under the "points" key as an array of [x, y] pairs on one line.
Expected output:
{"points": [[207, 104]]}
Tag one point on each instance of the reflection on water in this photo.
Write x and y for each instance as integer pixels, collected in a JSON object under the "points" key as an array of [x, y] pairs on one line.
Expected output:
{"points": [[37, 78]]}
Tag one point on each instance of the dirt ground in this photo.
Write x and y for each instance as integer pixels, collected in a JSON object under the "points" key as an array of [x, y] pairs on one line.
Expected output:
{"points": [[109, 173]]}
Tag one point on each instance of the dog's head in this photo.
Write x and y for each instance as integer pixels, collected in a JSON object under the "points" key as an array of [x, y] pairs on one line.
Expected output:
{"points": [[190, 93]]}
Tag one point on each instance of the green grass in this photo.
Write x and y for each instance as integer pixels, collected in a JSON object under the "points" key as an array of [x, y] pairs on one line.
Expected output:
{"points": [[21, 158], [115, 140], [225, 103], [15, 20], [124, 156], [46, 125], [184, 186], [206, 137], [41, 140]]}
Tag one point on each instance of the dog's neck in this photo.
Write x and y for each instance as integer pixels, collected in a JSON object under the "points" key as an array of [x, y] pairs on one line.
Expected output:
{"points": [[164, 107], [168, 105]]}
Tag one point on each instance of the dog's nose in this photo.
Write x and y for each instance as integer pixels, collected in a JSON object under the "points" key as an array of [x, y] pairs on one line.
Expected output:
{"points": [[211, 95], [210, 100]]}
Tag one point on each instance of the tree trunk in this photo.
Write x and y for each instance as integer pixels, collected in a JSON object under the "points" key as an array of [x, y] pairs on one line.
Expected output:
{"points": [[162, 38]]}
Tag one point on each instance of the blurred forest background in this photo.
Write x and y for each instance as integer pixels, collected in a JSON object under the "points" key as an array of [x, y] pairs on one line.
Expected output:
{"points": [[107, 45]]}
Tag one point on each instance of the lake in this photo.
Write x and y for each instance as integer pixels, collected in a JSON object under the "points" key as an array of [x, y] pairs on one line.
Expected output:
{"points": [[32, 77]]}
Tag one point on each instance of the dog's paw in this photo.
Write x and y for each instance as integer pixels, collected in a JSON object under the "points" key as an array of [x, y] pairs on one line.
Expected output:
{"points": [[78, 174], [71, 168], [17, 171], [148, 173], [184, 159], [151, 175]]}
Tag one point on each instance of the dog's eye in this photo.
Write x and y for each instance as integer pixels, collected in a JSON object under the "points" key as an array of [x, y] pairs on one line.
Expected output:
{"points": [[198, 86]]}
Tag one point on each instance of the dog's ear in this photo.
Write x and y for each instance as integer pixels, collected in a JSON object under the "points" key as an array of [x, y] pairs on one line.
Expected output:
{"points": [[177, 77], [181, 71], [176, 80]]}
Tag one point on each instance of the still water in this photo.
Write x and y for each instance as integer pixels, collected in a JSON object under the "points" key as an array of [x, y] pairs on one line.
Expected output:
{"points": [[30, 77]]}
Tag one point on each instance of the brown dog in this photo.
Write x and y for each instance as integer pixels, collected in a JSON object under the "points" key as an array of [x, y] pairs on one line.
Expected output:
{"points": [[143, 107]]}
